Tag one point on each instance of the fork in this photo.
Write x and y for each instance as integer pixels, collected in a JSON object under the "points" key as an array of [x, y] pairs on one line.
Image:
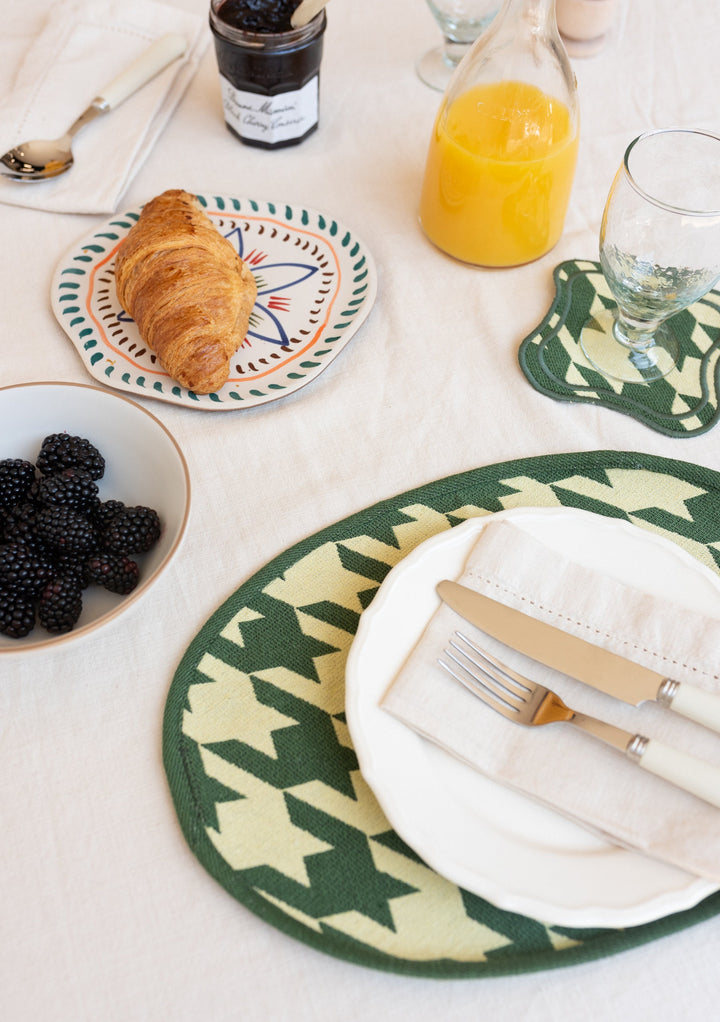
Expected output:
{"points": [[526, 702]]}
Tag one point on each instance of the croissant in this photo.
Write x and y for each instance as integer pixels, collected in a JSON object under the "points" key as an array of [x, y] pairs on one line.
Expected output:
{"points": [[187, 289]]}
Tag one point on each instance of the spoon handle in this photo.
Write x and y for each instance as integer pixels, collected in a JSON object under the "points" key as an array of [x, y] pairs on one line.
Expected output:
{"points": [[157, 56], [305, 11]]}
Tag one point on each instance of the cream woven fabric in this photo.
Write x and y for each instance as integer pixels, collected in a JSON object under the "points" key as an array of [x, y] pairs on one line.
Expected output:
{"points": [[83, 45]]}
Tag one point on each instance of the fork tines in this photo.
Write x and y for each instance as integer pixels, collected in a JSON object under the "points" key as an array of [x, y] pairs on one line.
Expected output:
{"points": [[485, 676]]}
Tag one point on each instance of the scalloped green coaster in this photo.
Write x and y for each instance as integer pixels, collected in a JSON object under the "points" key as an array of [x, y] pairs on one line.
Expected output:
{"points": [[683, 404]]}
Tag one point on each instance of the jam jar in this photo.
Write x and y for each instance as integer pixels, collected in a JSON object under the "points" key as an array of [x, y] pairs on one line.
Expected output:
{"points": [[270, 80]]}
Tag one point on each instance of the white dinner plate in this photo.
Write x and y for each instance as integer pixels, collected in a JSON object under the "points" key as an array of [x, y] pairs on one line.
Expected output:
{"points": [[485, 838]]}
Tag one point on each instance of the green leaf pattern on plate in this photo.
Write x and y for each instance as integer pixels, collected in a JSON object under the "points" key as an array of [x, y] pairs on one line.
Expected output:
{"points": [[316, 283]]}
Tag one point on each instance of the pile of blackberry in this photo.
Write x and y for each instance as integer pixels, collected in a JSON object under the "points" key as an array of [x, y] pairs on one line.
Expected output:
{"points": [[57, 537]]}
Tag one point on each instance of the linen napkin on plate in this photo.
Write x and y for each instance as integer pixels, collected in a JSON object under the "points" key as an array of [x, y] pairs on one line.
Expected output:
{"points": [[558, 764], [83, 45]]}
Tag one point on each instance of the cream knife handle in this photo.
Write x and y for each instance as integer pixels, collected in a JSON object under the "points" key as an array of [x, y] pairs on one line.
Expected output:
{"points": [[695, 704], [157, 56], [684, 771]]}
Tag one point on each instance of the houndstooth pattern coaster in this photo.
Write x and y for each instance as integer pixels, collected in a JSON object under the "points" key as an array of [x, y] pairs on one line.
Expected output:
{"points": [[682, 404]]}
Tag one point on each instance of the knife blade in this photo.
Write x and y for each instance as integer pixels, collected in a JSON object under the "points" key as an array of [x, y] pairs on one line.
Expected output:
{"points": [[600, 668]]}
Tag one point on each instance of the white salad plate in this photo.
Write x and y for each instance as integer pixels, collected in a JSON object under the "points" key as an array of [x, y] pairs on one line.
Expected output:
{"points": [[486, 838], [316, 286]]}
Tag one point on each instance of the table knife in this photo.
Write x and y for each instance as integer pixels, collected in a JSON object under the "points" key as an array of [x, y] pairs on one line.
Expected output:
{"points": [[609, 672]]}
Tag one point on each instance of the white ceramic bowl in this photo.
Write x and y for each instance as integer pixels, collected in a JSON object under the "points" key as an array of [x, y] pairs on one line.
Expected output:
{"points": [[143, 465]]}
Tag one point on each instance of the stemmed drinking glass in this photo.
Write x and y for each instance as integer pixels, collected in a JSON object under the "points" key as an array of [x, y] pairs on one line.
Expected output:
{"points": [[461, 22], [659, 251]]}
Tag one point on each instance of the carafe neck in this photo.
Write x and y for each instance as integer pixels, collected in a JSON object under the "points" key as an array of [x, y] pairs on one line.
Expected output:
{"points": [[523, 44], [538, 15]]}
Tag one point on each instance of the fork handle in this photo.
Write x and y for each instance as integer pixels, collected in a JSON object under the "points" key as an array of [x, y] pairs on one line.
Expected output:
{"points": [[687, 772]]}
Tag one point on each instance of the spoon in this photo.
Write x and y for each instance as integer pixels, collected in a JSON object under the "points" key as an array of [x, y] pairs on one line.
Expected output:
{"points": [[39, 159], [306, 11]]}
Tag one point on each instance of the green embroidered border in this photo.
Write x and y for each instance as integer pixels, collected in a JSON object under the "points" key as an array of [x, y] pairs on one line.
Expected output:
{"points": [[683, 404], [261, 767]]}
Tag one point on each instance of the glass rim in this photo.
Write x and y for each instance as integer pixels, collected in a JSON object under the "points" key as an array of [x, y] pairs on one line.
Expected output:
{"points": [[652, 198]]}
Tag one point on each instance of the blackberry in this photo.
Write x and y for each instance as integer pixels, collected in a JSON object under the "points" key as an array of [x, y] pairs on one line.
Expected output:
{"points": [[16, 478], [60, 604], [22, 570], [18, 524], [57, 536], [64, 530], [116, 573], [132, 531], [60, 450], [70, 487], [17, 614], [103, 513], [75, 566]]}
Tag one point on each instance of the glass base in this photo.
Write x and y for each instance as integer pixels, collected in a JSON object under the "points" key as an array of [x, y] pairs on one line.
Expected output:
{"points": [[435, 69], [619, 362]]}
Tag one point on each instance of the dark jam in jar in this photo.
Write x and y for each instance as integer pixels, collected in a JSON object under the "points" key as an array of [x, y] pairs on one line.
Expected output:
{"points": [[269, 79], [258, 15]]}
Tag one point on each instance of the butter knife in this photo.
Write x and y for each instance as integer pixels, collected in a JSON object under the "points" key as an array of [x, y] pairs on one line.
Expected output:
{"points": [[609, 672]]}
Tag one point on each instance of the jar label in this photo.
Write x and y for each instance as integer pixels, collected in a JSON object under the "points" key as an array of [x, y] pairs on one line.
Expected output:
{"points": [[271, 119]]}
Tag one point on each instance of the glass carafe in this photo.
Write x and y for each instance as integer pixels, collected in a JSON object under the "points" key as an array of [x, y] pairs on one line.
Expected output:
{"points": [[503, 150]]}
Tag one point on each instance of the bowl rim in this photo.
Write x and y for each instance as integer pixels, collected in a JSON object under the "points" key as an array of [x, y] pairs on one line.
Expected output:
{"points": [[53, 641]]}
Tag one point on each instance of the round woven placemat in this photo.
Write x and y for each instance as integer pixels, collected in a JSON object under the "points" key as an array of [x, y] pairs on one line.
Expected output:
{"points": [[260, 763]]}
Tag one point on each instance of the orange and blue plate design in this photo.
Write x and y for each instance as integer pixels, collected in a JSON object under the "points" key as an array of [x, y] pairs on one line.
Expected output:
{"points": [[316, 286]]}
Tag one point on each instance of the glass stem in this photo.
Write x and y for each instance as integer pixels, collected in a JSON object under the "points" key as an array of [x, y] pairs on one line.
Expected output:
{"points": [[454, 51], [637, 334]]}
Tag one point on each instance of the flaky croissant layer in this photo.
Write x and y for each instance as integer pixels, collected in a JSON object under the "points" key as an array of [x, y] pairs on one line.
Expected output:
{"points": [[187, 289]]}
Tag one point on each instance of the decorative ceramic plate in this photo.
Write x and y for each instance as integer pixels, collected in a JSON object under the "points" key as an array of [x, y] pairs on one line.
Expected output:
{"points": [[316, 286], [489, 840]]}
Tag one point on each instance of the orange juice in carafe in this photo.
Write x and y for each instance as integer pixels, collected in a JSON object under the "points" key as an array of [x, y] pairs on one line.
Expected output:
{"points": [[503, 150], [498, 175]]}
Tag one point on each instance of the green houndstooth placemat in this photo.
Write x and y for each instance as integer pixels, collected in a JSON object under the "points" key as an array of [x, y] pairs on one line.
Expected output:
{"points": [[682, 404], [260, 763]]}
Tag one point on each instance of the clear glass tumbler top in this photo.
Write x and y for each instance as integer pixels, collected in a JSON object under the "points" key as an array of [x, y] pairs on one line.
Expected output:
{"points": [[659, 250]]}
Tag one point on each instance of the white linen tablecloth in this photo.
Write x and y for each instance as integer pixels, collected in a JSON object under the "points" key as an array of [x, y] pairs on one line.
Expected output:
{"points": [[105, 913]]}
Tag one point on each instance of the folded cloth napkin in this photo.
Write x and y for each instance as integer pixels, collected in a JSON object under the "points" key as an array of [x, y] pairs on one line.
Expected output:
{"points": [[84, 44], [558, 764]]}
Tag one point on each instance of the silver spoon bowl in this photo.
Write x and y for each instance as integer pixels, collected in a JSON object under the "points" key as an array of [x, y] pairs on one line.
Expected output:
{"points": [[40, 159], [32, 161]]}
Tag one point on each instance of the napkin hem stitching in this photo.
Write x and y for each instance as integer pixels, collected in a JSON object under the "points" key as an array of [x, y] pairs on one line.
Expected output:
{"points": [[42, 78], [663, 658], [89, 23], [68, 31]]}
